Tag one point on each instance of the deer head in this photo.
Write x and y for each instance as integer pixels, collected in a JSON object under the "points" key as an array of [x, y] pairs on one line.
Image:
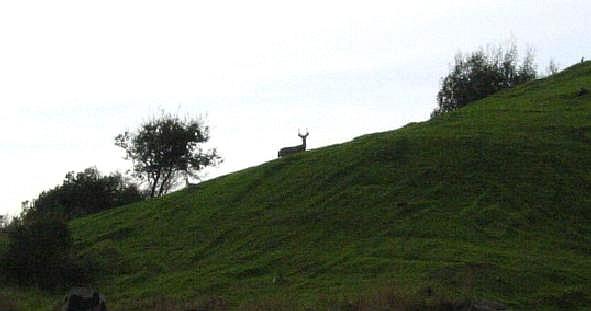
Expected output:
{"points": [[303, 137]]}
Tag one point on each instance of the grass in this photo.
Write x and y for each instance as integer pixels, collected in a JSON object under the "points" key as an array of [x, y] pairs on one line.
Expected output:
{"points": [[491, 202], [17, 299]]}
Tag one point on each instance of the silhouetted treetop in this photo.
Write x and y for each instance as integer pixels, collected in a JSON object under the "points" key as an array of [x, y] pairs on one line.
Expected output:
{"points": [[479, 74], [83, 193], [165, 149]]}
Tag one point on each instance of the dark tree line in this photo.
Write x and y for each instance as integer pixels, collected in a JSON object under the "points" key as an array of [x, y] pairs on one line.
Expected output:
{"points": [[83, 193], [39, 251], [482, 73]]}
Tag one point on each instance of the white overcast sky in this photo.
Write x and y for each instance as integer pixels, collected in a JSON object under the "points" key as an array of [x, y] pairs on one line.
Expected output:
{"points": [[73, 74]]}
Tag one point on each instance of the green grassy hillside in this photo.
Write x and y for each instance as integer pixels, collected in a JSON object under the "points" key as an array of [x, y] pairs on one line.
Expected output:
{"points": [[490, 202]]}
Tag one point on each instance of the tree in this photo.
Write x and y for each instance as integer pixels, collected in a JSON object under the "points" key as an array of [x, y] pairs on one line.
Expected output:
{"points": [[165, 149], [82, 193], [39, 253], [528, 68], [482, 73], [552, 68]]}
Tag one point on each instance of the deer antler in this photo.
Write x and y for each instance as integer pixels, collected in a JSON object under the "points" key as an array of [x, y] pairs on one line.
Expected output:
{"points": [[300, 134]]}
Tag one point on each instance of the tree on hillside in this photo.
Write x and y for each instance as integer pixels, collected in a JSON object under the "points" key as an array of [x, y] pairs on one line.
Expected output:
{"points": [[39, 253], [482, 73], [82, 193], [165, 149], [552, 68]]}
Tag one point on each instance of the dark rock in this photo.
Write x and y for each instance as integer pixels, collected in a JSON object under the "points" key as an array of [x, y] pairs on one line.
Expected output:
{"points": [[84, 299]]}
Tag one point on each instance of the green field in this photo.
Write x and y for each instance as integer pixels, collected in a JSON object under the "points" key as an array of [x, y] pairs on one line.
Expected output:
{"points": [[491, 202]]}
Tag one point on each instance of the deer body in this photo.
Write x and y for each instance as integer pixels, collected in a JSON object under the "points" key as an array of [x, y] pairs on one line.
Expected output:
{"points": [[295, 149], [190, 184]]}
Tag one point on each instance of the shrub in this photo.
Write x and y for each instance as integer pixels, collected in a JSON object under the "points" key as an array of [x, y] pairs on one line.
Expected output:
{"points": [[82, 193], [482, 73], [39, 253]]}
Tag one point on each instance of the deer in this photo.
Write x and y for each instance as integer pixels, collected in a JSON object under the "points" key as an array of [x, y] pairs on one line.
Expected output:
{"points": [[295, 149], [190, 184]]}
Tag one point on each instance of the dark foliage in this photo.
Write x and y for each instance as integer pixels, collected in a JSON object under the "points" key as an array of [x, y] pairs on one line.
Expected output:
{"points": [[39, 254], [165, 149], [83, 193], [481, 74]]}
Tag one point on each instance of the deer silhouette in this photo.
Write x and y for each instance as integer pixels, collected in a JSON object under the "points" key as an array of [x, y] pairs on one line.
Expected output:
{"points": [[190, 184], [299, 148]]}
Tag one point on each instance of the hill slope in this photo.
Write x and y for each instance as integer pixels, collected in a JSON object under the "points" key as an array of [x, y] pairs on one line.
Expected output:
{"points": [[490, 202]]}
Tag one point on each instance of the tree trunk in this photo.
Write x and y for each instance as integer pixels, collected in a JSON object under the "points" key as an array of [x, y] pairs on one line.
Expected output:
{"points": [[162, 185], [155, 177]]}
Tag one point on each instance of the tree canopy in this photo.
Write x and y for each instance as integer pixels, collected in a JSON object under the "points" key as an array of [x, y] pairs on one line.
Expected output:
{"points": [[83, 193], [482, 73], [40, 253], [165, 149]]}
